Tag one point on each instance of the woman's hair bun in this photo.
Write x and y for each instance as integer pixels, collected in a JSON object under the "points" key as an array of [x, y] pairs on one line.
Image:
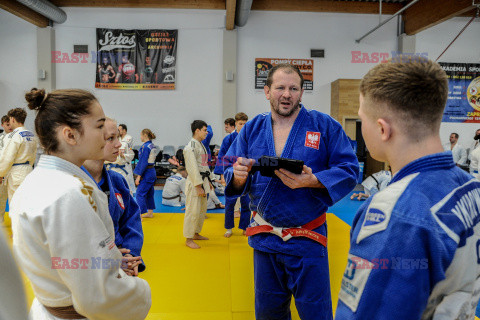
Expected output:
{"points": [[35, 98]]}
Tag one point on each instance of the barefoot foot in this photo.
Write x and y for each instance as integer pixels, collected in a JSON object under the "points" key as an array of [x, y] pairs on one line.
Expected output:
{"points": [[191, 244], [199, 237]]}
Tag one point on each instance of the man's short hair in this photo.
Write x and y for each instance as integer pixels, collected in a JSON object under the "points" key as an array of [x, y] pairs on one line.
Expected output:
{"points": [[5, 118], [455, 134], [18, 114], [241, 117], [124, 126], [413, 87], [181, 168], [197, 124], [230, 122], [287, 68]]}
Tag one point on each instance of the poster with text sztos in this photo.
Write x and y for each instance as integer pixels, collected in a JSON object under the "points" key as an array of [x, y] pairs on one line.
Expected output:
{"points": [[463, 103], [136, 59], [263, 65]]}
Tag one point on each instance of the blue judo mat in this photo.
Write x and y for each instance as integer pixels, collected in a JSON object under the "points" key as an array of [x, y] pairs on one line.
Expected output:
{"points": [[160, 208]]}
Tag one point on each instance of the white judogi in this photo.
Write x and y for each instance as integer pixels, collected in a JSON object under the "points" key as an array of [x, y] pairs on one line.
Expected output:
{"points": [[473, 146], [129, 155], [173, 193], [59, 217], [377, 182], [474, 162], [458, 151], [17, 157], [123, 166], [13, 304], [196, 161]]}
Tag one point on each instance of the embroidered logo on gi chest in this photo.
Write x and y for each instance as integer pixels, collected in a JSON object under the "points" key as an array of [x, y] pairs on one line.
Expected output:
{"points": [[374, 216], [87, 191], [312, 140], [120, 200]]}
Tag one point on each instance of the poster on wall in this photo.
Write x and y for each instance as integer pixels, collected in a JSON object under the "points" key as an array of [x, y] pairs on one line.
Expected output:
{"points": [[263, 65], [136, 59], [463, 103]]}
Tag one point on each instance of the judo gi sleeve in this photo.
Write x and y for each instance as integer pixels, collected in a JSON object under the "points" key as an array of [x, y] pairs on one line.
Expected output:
{"points": [[239, 148], [342, 175], [130, 224], [100, 289], [192, 167], [219, 166], [142, 162]]}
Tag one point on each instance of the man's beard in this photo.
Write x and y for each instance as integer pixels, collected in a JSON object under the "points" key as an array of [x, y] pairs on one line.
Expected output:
{"points": [[286, 114]]}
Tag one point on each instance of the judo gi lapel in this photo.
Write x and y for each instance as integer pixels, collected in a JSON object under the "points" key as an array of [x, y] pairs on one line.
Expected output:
{"points": [[286, 152], [101, 200], [290, 143]]}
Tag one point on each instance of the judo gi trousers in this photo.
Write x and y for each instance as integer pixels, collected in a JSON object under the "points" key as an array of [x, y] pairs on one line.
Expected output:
{"points": [[3, 199], [146, 191], [195, 211], [277, 276], [15, 177], [245, 212]]}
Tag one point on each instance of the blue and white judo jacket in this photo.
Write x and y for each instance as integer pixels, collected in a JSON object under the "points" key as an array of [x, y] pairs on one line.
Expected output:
{"points": [[124, 211], [415, 247], [222, 161], [146, 157], [321, 143]]}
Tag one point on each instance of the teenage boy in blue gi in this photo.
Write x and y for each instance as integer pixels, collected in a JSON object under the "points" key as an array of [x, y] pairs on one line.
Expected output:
{"points": [[414, 248], [240, 120]]}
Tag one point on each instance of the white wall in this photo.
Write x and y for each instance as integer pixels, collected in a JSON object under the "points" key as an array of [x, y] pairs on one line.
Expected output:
{"points": [[292, 35], [198, 94], [18, 56], [167, 113]]}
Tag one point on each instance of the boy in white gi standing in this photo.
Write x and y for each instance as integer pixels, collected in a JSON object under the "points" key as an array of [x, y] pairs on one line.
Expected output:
{"points": [[197, 186]]}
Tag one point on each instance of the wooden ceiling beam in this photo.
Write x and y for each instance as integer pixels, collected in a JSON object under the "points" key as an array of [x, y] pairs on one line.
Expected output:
{"points": [[25, 13], [270, 5], [173, 4], [230, 19], [325, 6], [427, 13]]}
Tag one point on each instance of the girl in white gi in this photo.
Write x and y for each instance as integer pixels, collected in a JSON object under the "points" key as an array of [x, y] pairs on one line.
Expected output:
{"points": [[63, 236]]}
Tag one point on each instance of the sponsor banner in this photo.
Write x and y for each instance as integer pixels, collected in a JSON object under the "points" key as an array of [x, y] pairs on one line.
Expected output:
{"points": [[263, 65], [463, 103], [136, 59]]}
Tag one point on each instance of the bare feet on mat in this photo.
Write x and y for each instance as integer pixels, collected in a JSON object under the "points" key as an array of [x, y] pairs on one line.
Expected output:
{"points": [[219, 206], [147, 215], [199, 237], [244, 233], [228, 234], [191, 244], [236, 214]]}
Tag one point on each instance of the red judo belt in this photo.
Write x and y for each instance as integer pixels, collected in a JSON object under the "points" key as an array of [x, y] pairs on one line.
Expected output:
{"points": [[287, 233]]}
